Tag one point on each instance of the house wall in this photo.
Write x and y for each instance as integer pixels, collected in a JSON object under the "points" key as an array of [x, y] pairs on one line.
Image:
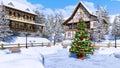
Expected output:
{"points": [[22, 21]]}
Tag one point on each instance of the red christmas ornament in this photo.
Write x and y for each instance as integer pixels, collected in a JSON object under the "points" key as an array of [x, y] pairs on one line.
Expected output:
{"points": [[90, 43], [79, 28], [83, 50], [81, 37], [77, 43]]}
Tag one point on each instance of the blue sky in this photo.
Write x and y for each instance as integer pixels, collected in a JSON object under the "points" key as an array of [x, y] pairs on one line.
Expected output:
{"points": [[112, 5]]}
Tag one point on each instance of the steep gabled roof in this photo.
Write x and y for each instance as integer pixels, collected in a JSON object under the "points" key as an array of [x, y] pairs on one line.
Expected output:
{"points": [[77, 7], [16, 5]]}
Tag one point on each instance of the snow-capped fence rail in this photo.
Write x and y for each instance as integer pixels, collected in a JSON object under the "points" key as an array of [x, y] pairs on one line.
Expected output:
{"points": [[105, 44], [94, 44], [3, 46]]}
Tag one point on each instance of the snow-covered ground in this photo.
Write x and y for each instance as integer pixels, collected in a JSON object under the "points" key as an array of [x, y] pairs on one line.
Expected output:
{"points": [[17, 40], [101, 59], [59, 57], [33, 57]]}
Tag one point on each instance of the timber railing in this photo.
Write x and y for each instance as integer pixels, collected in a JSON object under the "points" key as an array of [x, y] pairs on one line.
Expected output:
{"points": [[107, 44], [19, 45], [97, 44]]}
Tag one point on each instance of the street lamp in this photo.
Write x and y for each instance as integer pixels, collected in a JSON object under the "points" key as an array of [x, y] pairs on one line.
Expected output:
{"points": [[26, 34], [115, 38]]}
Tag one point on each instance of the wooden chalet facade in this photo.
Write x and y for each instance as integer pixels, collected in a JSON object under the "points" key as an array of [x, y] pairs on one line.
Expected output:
{"points": [[80, 11], [21, 17]]}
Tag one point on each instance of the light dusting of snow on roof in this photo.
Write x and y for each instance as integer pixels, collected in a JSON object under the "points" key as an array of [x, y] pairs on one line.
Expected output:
{"points": [[16, 5]]}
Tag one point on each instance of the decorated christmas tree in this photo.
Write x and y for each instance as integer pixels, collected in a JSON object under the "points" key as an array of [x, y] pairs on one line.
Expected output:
{"points": [[81, 45]]}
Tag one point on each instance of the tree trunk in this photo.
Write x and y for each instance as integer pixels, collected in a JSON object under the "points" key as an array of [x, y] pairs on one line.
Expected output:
{"points": [[54, 40], [115, 42]]}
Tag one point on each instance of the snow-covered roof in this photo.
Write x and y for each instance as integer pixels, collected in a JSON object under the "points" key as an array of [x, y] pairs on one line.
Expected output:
{"points": [[16, 5], [27, 22], [86, 7], [77, 8]]}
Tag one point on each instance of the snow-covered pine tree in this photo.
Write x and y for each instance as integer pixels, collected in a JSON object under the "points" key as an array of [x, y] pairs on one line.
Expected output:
{"points": [[53, 27], [5, 31], [40, 19], [116, 28], [102, 28], [49, 26], [58, 27]]}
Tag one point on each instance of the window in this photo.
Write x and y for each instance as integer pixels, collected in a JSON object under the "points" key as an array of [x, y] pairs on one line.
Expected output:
{"points": [[21, 26], [27, 17], [14, 14], [31, 28], [88, 25], [11, 4], [10, 13], [69, 34], [75, 26], [28, 9], [16, 25], [18, 14], [70, 26]]}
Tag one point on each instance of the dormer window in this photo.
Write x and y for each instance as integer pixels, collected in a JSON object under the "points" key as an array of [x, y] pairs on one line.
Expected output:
{"points": [[11, 4], [28, 9]]}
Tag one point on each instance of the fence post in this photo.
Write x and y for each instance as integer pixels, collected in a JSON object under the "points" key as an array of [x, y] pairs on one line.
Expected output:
{"points": [[18, 45], [32, 44], [49, 45], [62, 43], [42, 44], [2, 46], [94, 46], [108, 45]]}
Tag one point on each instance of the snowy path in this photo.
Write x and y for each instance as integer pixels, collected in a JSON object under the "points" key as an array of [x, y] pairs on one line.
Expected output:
{"points": [[62, 60]]}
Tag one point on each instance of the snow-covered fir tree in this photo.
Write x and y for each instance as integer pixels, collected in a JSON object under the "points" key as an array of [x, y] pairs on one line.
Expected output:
{"points": [[5, 31], [58, 27], [116, 28], [54, 27], [40, 19], [49, 26], [103, 23]]}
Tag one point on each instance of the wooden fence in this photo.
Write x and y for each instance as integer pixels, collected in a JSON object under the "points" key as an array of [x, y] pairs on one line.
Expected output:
{"points": [[3, 46], [97, 45]]}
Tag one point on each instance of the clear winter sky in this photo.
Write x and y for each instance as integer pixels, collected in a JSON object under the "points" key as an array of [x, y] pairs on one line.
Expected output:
{"points": [[67, 6]]}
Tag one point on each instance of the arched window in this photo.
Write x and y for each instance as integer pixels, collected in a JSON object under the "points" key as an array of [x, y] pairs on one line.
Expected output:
{"points": [[10, 13], [14, 14]]}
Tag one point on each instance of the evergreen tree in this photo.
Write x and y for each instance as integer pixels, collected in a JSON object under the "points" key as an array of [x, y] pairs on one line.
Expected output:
{"points": [[116, 28], [81, 44], [102, 25], [5, 31]]}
